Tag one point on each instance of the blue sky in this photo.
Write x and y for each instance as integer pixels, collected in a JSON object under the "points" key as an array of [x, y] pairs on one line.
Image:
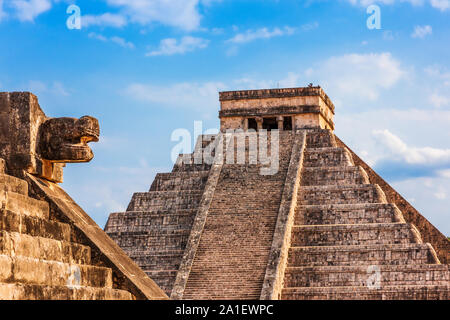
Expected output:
{"points": [[146, 68]]}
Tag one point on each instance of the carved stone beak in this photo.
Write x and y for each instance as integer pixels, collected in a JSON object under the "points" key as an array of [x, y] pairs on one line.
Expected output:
{"points": [[65, 139]]}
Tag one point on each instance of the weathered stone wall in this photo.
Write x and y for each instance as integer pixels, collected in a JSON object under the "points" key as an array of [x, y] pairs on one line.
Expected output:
{"points": [[309, 106], [231, 123]]}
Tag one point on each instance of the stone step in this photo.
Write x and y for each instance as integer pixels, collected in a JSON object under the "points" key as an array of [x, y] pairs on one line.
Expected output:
{"points": [[13, 243], [168, 200], [24, 205], [176, 181], [152, 230], [130, 220], [322, 176], [12, 184], [348, 214], [360, 276], [163, 278], [17, 291], [345, 194], [18, 269], [221, 295], [354, 234], [151, 214], [168, 240], [158, 261], [183, 164], [327, 157], [191, 167], [320, 139], [396, 254], [36, 227], [419, 292]]}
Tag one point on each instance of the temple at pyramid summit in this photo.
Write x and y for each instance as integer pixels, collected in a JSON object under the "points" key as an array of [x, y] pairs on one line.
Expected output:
{"points": [[276, 206]]}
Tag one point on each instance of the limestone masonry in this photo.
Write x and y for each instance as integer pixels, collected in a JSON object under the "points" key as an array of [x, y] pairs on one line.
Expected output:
{"points": [[323, 226], [49, 247]]}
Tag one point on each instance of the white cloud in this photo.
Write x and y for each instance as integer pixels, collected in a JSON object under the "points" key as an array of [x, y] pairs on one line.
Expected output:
{"points": [[122, 42], [439, 100], [437, 212], [291, 80], [412, 155], [438, 4], [97, 36], [177, 13], [56, 88], [441, 4], [2, 12], [439, 82], [117, 40], [188, 95], [388, 35], [422, 31], [309, 26], [436, 73], [440, 195], [29, 10], [171, 46], [263, 33], [59, 89], [357, 76], [104, 20], [444, 173], [386, 2]]}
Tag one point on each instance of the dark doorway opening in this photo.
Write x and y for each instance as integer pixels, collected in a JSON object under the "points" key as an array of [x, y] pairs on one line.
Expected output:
{"points": [[270, 124], [287, 123], [252, 124]]}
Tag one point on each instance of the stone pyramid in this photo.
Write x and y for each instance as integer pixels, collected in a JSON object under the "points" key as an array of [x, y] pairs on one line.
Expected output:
{"points": [[285, 210]]}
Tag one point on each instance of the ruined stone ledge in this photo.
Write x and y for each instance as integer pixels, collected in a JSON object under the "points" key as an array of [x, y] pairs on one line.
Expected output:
{"points": [[355, 234], [34, 226], [13, 243], [45, 292], [328, 157], [12, 184], [245, 112], [319, 138], [340, 194], [348, 214], [19, 269], [419, 292], [276, 93], [379, 254], [24, 205], [336, 276], [342, 175]]}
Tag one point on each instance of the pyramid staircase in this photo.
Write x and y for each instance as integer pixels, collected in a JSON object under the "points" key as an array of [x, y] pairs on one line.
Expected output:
{"points": [[38, 259], [156, 226], [348, 242], [232, 255]]}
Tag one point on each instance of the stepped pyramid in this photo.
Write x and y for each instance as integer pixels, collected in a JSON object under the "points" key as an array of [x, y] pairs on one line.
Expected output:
{"points": [[277, 207], [50, 249]]}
